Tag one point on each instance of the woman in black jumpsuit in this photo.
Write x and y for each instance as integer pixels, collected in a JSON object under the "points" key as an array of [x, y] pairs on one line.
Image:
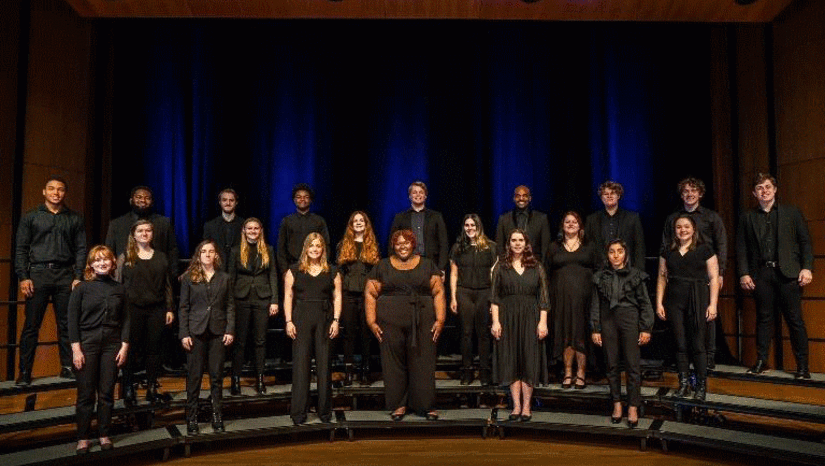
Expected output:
{"points": [[99, 334], [687, 290], [406, 311], [621, 317], [471, 263], [312, 308]]}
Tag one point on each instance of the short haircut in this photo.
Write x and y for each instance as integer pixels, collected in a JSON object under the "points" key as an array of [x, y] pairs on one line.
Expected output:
{"points": [[420, 184], [407, 235], [610, 184], [691, 181], [763, 177], [57, 178], [138, 188], [303, 187], [228, 190]]}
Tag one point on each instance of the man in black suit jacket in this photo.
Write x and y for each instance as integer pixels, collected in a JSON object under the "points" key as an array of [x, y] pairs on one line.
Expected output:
{"points": [[532, 222], [427, 225], [774, 259], [225, 229], [614, 222]]}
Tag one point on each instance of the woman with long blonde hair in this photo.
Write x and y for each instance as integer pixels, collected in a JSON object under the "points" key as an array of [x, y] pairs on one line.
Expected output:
{"points": [[357, 255], [312, 309]]}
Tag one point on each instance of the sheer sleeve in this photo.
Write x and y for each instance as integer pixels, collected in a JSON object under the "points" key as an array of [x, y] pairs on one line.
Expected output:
{"points": [[543, 292]]}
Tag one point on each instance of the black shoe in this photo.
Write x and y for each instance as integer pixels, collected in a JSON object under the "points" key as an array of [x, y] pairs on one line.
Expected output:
{"points": [[260, 386], [567, 382], [760, 367], [526, 418], [217, 422], [514, 417], [235, 385], [192, 428], [632, 424], [348, 375], [802, 372], [25, 380], [129, 395], [299, 420], [67, 373], [366, 379], [107, 446], [397, 417], [615, 420], [701, 390], [432, 416], [467, 377], [152, 392], [82, 451], [684, 386]]}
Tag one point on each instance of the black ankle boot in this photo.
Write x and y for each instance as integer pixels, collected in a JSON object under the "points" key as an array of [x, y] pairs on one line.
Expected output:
{"points": [[217, 422], [701, 389], [260, 387], [192, 423], [467, 377], [365, 378], [684, 386], [348, 375], [235, 385], [152, 392]]}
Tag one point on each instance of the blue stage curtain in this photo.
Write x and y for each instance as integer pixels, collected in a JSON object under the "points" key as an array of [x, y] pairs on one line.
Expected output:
{"points": [[359, 109]]}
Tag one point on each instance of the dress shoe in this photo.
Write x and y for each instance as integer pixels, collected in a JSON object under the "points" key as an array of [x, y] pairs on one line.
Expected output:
{"points": [[129, 394], [365, 379], [632, 424], [701, 390], [467, 377], [397, 416], [514, 417], [217, 422], [82, 450], [802, 372], [192, 428], [106, 444], [432, 416], [67, 373], [25, 380], [260, 386], [684, 385], [760, 367], [348, 375], [615, 420], [235, 385], [526, 417], [152, 392]]}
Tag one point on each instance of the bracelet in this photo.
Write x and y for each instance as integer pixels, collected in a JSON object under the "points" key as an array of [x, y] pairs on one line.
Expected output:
{"points": [[335, 319], [289, 321]]}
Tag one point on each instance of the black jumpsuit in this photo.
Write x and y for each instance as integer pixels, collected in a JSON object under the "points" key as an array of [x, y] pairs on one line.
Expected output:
{"points": [[353, 282]]}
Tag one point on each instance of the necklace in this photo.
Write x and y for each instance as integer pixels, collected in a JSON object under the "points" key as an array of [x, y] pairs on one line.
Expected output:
{"points": [[572, 247]]}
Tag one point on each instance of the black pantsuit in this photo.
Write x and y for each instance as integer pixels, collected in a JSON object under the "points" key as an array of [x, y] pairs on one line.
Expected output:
{"points": [[474, 310], [97, 377], [620, 335], [355, 328], [255, 312], [207, 352], [312, 321], [774, 291], [57, 285]]}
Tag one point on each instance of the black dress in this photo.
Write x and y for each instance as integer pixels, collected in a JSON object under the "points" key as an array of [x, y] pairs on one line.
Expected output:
{"points": [[405, 312], [519, 355], [571, 289], [686, 299], [312, 315]]}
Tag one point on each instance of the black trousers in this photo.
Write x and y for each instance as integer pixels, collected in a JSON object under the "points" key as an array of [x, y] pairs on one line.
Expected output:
{"points": [[312, 323], [97, 379], [408, 353], [57, 285], [688, 335], [207, 352], [620, 336], [254, 314], [775, 291], [145, 334], [356, 331], [474, 310]]}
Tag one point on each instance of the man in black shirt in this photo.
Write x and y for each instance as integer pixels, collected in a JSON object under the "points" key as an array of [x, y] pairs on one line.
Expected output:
{"points": [[225, 229], [142, 205], [775, 258], [296, 226], [532, 222], [711, 232], [426, 224], [50, 255], [613, 222]]}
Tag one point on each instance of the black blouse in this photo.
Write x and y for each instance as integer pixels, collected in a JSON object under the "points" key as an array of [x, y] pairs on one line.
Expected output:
{"points": [[474, 266], [98, 303]]}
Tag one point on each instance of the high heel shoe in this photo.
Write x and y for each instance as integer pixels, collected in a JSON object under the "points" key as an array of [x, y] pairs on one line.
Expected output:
{"points": [[398, 415], [567, 382], [632, 424], [582, 386], [615, 420]]}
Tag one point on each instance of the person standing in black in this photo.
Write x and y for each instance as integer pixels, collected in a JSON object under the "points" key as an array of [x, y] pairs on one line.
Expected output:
{"points": [[711, 232], [145, 274], [225, 229], [405, 309], [207, 325], [471, 262], [312, 308], [426, 224], [775, 260], [614, 222], [357, 255], [99, 332], [687, 292], [252, 270], [49, 257], [524, 218], [621, 318], [296, 226]]}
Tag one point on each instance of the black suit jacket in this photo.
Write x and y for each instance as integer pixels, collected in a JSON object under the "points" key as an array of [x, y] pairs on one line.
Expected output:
{"points": [[630, 231], [206, 306], [163, 237], [436, 244], [794, 251], [538, 230], [253, 281], [215, 230]]}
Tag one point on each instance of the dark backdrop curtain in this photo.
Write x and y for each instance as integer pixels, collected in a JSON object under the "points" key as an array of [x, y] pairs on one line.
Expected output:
{"points": [[359, 109]]}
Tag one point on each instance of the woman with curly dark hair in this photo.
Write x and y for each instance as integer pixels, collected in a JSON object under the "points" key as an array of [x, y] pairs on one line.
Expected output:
{"points": [[519, 304]]}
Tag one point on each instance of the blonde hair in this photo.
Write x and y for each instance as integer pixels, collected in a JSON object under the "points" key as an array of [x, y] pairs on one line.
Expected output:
{"points": [[131, 244], [95, 253], [262, 250], [303, 262], [195, 270], [347, 248]]}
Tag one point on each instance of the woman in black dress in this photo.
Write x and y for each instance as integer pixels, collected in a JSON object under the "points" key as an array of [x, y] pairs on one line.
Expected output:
{"points": [[570, 263], [207, 325], [471, 262], [312, 308], [405, 310], [144, 271], [255, 290], [519, 304], [357, 255], [99, 333], [621, 317], [687, 291]]}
